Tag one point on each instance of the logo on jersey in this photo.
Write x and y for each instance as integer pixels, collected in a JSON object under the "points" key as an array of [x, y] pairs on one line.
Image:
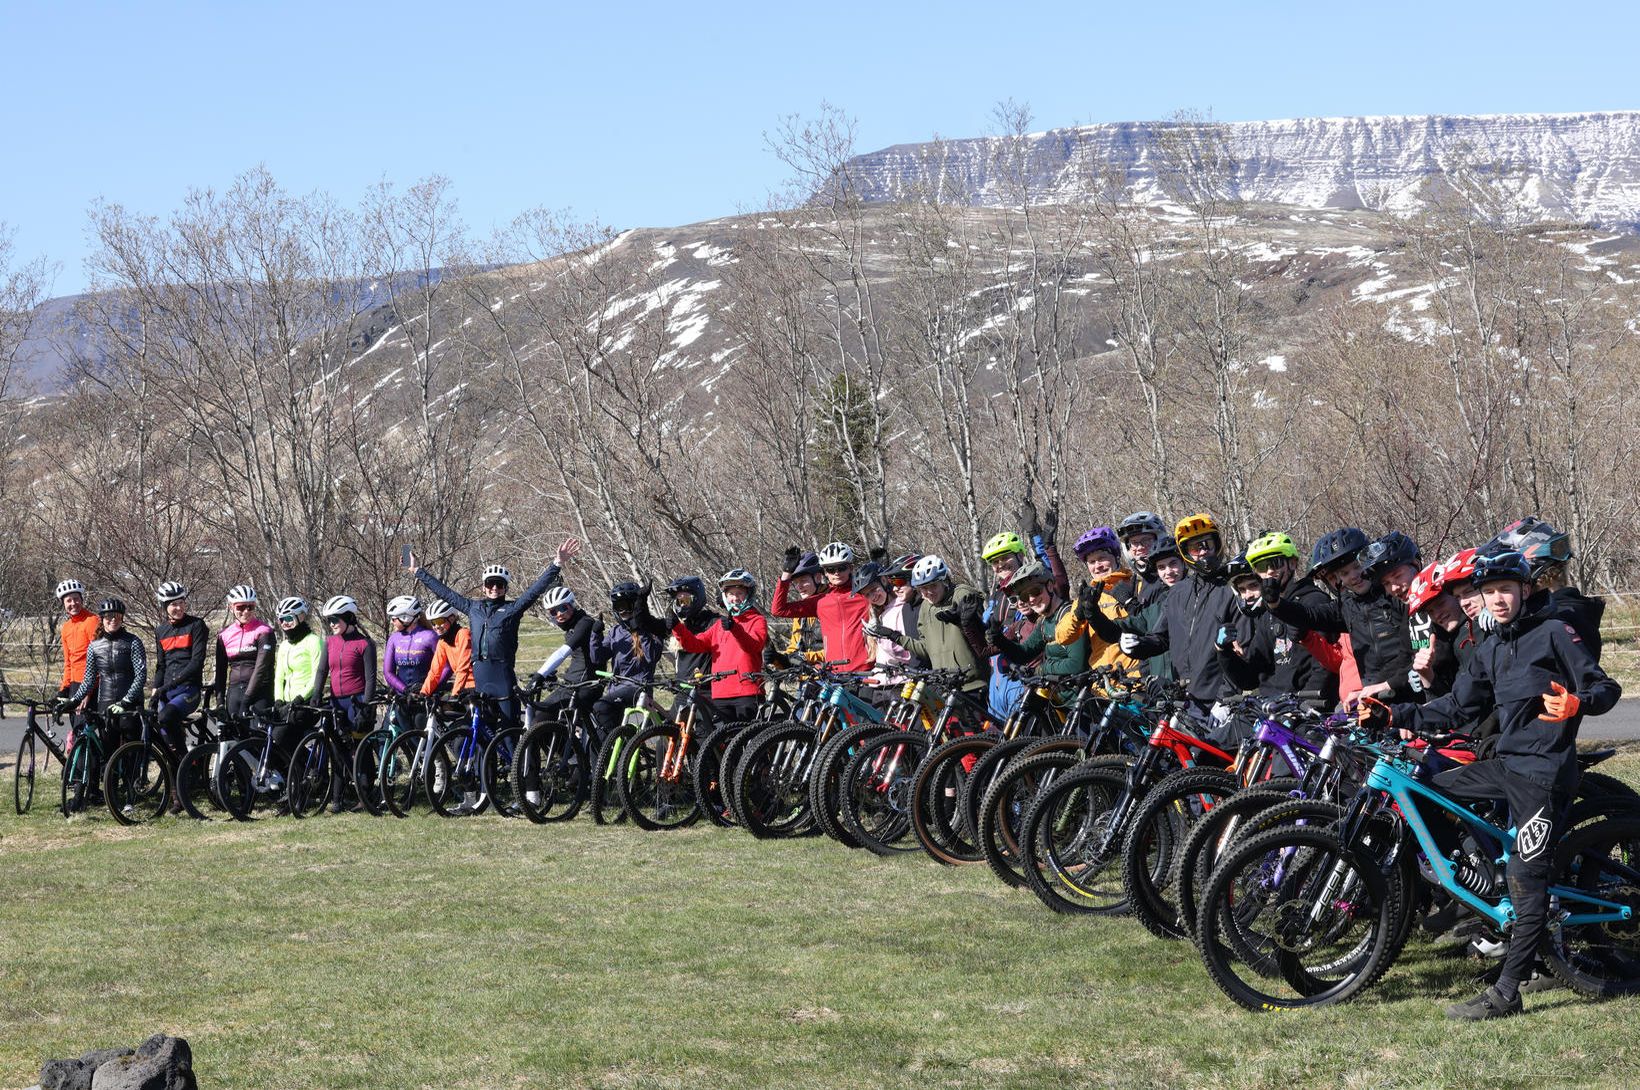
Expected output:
{"points": [[1533, 836]]}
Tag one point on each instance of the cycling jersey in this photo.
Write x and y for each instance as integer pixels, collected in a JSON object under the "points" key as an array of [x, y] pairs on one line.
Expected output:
{"points": [[452, 658], [244, 658], [296, 665], [407, 658], [77, 633], [179, 653], [1187, 628], [632, 652], [581, 655], [494, 622], [348, 663], [116, 669]]}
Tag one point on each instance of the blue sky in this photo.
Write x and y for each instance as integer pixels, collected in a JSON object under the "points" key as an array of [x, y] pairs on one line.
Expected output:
{"points": [[653, 115]]}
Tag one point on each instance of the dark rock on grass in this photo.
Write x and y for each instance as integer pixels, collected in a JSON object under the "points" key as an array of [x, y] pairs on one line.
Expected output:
{"points": [[76, 1074], [161, 1063]]}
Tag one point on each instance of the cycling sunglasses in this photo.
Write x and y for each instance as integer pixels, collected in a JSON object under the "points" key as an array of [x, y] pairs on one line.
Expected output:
{"points": [[289, 618], [493, 583], [834, 569]]}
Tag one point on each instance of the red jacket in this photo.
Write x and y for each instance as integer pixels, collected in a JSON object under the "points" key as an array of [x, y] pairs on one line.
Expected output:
{"points": [[840, 612], [739, 647]]}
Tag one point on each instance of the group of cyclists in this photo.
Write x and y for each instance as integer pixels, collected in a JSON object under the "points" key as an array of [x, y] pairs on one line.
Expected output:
{"points": [[1491, 640]]}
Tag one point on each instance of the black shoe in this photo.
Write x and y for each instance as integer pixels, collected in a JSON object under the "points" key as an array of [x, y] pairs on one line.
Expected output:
{"points": [[1541, 980], [1489, 1004]]}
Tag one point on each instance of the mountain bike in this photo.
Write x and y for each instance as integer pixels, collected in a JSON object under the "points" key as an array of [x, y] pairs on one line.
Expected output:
{"points": [[551, 769], [603, 797], [1307, 915], [1072, 834], [657, 782]]}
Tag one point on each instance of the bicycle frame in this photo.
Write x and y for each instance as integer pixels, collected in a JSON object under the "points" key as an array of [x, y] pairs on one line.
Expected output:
{"points": [[1394, 780]]}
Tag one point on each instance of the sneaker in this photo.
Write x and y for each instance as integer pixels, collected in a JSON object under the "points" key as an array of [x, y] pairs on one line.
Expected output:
{"points": [[1489, 1004], [533, 798]]}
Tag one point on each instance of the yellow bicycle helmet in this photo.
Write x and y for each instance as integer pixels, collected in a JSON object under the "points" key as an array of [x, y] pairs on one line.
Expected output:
{"points": [[1197, 525], [1004, 544]]}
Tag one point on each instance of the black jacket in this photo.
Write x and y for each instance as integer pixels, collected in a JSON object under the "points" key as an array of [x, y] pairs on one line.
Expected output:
{"points": [[1377, 626], [116, 669], [1187, 628], [179, 653], [1582, 613], [1276, 663], [1511, 671]]}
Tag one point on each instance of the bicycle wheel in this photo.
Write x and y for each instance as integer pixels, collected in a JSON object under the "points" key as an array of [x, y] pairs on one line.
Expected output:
{"points": [[983, 776], [772, 783], [708, 773], [825, 785], [1601, 860], [495, 769], [22, 774], [1209, 837], [1154, 836], [604, 796], [936, 795], [1004, 805], [454, 788], [1069, 852], [241, 783], [729, 765], [78, 777], [314, 777], [657, 783], [404, 763], [877, 788], [196, 775], [367, 765], [549, 772], [1307, 906], [137, 783]]}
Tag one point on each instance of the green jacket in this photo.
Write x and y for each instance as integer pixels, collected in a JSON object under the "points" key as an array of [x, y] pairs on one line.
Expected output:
{"points": [[1058, 659], [296, 667], [943, 645]]}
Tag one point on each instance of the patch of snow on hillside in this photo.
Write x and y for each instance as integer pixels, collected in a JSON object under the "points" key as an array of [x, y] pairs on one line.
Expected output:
{"points": [[1276, 363]]}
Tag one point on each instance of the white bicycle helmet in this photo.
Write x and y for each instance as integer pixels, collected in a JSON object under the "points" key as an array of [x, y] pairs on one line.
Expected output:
{"points": [[69, 586], [497, 571], [437, 609], [836, 553], [241, 592], [404, 607], [337, 606], [736, 577], [294, 606], [557, 598], [170, 592], [930, 569]]}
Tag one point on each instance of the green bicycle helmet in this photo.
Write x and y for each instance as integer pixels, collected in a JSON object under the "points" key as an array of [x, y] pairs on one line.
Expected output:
{"points": [[1270, 546], [1004, 544]]}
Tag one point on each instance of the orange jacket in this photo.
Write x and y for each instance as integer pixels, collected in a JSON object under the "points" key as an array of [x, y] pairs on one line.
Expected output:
{"points": [[77, 634], [453, 656]]}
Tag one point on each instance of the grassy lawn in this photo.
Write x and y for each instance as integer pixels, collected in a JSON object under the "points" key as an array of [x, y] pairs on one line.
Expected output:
{"points": [[358, 952]]}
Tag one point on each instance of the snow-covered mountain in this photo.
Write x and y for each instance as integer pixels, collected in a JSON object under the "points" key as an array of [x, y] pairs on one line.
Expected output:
{"points": [[1580, 167]]}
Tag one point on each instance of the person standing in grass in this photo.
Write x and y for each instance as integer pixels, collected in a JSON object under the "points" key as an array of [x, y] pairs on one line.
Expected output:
{"points": [[493, 621]]}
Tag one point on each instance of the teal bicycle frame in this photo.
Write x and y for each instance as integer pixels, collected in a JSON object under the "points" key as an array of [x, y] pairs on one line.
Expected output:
{"points": [[1394, 779]]}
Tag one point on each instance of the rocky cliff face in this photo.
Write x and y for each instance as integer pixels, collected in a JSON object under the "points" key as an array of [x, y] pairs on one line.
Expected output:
{"points": [[1579, 167]]}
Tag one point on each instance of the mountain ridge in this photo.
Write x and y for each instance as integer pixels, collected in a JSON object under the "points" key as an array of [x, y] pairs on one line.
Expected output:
{"points": [[1583, 167]]}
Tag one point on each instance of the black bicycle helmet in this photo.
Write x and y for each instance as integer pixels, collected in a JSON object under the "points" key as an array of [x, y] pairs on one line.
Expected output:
{"points": [[1500, 566], [1165, 547], [1337, 548], [866, 574], [623, 597], [1238, 568], [808, 564], [692, 584], [1387, 553]]}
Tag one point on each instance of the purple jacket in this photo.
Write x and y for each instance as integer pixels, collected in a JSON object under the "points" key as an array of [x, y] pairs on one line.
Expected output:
{"points": [[408, 656]]}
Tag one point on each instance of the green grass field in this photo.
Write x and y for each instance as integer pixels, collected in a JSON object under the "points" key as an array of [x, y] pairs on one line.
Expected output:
{"points": [[358, 952]]}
